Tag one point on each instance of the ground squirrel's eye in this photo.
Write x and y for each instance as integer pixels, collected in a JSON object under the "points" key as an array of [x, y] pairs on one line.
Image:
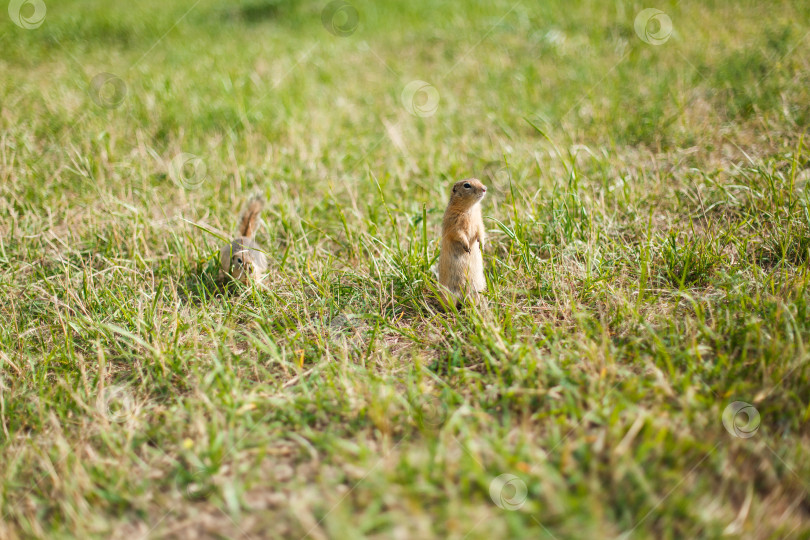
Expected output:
{"points": [[467, 185], [239, 260]]}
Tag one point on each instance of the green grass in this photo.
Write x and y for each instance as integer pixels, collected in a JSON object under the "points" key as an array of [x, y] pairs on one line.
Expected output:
{"points": [[647, 266]]}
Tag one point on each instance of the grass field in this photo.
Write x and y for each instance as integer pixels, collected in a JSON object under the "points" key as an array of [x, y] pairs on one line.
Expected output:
{"points": [[642, 368]]}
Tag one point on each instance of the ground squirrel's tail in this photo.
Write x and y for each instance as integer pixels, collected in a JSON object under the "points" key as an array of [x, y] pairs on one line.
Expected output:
{"points": [[250, 217]]}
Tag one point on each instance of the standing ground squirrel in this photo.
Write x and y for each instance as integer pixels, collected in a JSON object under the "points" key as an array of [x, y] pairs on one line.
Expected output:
{"points": [[461, 265], [243, 259]]}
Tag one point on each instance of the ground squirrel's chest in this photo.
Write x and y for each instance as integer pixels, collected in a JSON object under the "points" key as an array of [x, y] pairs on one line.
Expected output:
{"points": [[466, 222]]}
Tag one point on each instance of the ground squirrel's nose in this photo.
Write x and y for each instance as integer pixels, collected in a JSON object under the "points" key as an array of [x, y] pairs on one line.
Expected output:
{"points": [[484, 188]]}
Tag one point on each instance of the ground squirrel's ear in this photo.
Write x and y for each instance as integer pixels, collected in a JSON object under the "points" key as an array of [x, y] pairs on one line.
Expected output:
{"points": [[454, 189]]}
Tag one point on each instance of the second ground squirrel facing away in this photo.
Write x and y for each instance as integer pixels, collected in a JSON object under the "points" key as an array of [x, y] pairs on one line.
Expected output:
{"points": [[243, 259], [461, 264]]}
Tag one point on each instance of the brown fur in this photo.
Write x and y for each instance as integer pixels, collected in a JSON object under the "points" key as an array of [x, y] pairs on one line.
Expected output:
{"points": [[243, 259], [250, 217], [461, 264]]}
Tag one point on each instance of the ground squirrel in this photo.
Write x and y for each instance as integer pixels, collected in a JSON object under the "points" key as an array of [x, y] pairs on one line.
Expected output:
{"points": [[461, 265], [243, 259]]}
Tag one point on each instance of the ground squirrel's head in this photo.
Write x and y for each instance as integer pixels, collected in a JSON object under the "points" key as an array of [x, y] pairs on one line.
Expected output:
{"points": [[468, 192], [242, 266]]}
